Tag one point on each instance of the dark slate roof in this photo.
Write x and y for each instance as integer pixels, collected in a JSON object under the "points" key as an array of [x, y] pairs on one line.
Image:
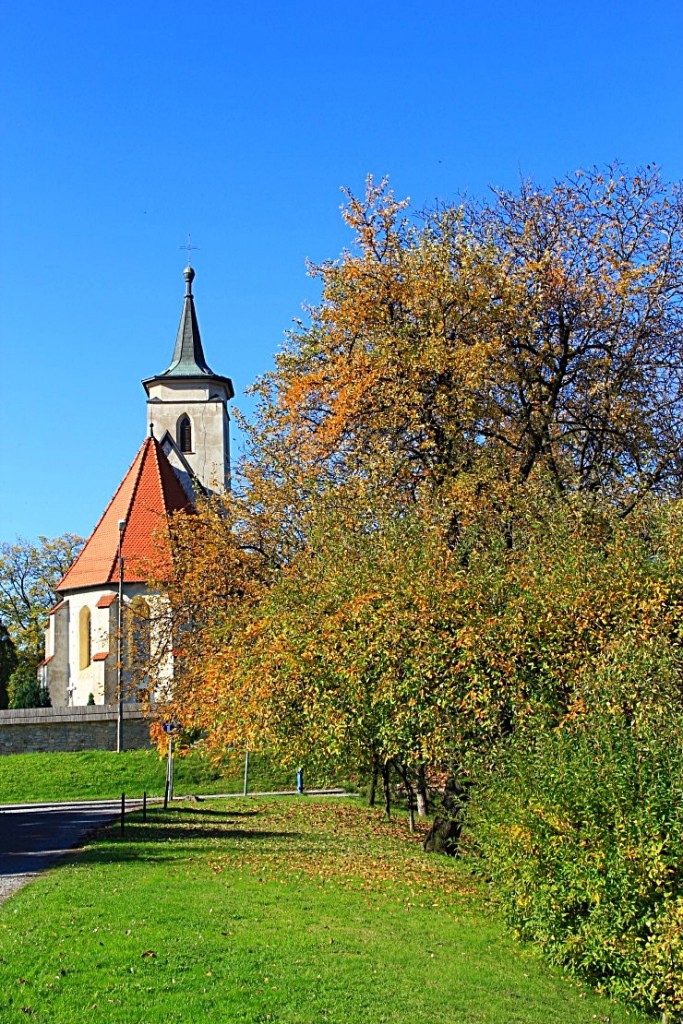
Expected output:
{"points": [[188, 354]]}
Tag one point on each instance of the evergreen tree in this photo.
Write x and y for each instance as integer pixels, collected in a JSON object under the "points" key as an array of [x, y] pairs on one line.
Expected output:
{"points": [[8, 663], [24, 689]]}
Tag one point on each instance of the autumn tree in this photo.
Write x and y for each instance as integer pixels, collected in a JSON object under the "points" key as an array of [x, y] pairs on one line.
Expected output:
{"points": [[475, 348], [339, 658], [457, 546], [585, 286], [29, 574], [350, 645], [218, 575], [473, 375]]}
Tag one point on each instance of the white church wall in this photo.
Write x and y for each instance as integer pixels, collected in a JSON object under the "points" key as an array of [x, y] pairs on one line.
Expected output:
{"points": [[86, 679], [90, 678], [55, 668]]}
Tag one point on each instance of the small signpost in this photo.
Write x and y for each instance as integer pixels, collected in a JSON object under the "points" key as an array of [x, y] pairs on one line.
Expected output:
{"points": [[169, 728], [246, 772]]}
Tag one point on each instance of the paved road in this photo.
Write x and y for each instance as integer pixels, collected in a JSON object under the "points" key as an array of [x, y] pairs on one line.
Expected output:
{"points": [[32, 839]]}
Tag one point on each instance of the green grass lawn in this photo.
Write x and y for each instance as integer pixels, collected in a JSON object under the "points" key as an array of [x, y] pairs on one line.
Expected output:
{"points": [[100, 774], [294, 911]]}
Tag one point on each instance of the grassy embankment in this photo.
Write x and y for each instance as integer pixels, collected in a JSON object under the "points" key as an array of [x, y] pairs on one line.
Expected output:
{"points": [[99, 774], [293, 911]]}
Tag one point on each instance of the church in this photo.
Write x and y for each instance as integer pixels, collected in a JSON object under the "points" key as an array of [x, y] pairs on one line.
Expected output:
{"points": [[186, 452]]}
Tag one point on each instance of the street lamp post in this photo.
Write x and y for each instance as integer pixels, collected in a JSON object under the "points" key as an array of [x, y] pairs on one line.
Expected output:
{"points": [[119, 643]]}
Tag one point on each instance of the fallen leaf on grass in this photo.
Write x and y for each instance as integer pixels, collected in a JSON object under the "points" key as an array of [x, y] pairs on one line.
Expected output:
{"points": [[148, 952]]}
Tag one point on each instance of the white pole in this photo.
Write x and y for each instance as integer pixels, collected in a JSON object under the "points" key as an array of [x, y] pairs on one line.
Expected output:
{"points": [[119, 647], [246, 772]]}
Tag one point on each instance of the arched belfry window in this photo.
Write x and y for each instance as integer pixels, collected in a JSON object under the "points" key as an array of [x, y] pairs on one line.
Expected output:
{"points": [[185, 434], [84, 638]]}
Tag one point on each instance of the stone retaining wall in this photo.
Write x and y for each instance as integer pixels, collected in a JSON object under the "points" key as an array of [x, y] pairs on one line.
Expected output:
{"points": [[31, 730]]}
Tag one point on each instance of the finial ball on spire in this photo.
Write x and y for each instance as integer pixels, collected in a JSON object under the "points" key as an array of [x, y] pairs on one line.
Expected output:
{"points": [[188, 274]]}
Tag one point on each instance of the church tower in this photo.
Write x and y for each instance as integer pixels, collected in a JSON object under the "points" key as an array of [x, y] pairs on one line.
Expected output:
{"points": [[107, 589], [187, 408]]}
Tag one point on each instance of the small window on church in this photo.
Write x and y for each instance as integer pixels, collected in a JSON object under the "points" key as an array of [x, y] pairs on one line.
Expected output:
{"points": [[84, 641], [185, 434]]}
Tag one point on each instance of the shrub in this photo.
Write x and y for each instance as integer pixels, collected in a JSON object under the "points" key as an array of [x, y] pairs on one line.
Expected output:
{"points": [[581, 832]]}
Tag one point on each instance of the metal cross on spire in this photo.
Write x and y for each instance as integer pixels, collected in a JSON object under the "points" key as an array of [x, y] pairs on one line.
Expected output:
{"points": [[189, 247]]}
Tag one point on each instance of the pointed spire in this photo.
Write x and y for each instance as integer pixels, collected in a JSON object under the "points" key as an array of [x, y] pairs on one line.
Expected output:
{"points": [[188, 355]]}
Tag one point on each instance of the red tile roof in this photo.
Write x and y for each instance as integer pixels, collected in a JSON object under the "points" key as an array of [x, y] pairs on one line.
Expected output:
{"points": [[148, 493], [100, 656], [106, 601]]}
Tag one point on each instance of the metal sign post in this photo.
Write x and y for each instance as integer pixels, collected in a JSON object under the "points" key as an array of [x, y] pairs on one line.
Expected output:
{"points": [[169, 768]]}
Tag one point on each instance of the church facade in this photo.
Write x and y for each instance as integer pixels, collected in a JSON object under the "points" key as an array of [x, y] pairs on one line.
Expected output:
{"points": [[186, 451]]}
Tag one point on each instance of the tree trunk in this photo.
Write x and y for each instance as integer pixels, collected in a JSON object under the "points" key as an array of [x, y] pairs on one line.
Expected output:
{"points": [[373, 786], [421, 793], [411, 807], [444, 835], [409, 797], [386, 787]]}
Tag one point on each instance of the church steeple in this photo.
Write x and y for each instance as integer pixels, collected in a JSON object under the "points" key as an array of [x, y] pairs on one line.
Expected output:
{"points": [[187, 403], [188, 355]]}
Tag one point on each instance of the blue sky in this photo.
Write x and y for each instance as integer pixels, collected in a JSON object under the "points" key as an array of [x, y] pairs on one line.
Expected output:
{"points": [[125, 126]]}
